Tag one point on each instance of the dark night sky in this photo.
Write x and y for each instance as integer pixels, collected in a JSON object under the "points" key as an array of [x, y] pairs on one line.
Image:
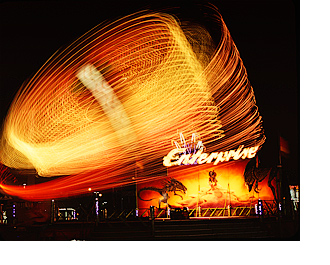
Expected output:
{"points": [[266, 34]]}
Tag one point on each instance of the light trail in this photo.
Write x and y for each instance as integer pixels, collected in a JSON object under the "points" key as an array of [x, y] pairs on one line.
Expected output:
{"points": [[111, 102]]}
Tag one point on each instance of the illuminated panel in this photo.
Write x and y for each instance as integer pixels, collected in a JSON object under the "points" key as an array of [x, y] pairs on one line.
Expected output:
{"points": [[230, 188], [112, 101]]}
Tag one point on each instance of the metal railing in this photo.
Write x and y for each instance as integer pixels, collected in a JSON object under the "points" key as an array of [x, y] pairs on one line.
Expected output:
{"points": [[269, 209], [195, 212], [222, 211]]}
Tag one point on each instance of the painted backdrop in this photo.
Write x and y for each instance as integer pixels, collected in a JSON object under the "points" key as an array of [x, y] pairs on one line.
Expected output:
{"points": [[227, 188]]}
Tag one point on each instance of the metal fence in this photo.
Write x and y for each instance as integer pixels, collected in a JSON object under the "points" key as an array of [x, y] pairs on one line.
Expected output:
{"points": [[196, 212], [265, 208], [269, 208]]}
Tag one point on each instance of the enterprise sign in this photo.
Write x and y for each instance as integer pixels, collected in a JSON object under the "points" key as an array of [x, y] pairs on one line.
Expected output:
{"points": [[177, 157]]}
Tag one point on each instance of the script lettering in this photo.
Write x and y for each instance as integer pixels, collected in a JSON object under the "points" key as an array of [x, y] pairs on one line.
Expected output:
{"points": [[179, 157]]}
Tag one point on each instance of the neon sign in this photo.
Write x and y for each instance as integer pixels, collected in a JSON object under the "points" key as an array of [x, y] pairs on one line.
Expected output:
{"points": [[178, 157]]}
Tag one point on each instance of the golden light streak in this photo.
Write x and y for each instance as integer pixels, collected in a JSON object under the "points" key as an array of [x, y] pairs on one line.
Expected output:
{"points": [[112, 107], [116, 97]]}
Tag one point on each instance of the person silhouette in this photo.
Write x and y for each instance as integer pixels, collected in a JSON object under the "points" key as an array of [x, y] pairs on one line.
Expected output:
{"points": [[212, 179]]}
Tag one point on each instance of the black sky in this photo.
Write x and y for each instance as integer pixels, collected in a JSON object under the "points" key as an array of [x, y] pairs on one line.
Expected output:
{"points": [[266, 34]]}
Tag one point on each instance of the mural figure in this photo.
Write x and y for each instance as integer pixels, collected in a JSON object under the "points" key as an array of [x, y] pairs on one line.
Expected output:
{"points": [[171, 185], [164, 199], [212, 179], [253, 175]]}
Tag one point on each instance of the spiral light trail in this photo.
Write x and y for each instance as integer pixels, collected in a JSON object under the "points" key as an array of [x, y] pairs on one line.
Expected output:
{"points": [[109, 105]]}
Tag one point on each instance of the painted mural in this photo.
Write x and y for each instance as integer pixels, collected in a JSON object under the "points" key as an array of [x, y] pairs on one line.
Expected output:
{"points": [[207, 186]]}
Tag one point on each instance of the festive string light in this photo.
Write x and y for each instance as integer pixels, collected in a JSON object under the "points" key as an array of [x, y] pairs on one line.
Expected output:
{"points": [[113, 100]]}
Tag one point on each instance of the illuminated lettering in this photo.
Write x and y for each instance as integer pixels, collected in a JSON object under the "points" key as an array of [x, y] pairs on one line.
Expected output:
{"points": [[172, 155], [211, 157], [179, 157], [252, 152], [202, 158], [220, 158], [239, 154], [184, 159]]}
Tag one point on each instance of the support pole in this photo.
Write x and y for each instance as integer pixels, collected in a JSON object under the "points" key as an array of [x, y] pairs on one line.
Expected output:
{"points": [[52, 212], [279, 193], [198, 212], [1, 217], [97, 207], [279, 182], [152, 216], [229, 205], [136, 194]]}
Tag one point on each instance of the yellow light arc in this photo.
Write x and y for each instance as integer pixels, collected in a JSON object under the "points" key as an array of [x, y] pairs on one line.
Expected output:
{"points": [[121, 92]]}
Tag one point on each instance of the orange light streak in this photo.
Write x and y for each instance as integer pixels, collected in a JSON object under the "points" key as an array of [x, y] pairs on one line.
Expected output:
{"points": [[111, 102]]}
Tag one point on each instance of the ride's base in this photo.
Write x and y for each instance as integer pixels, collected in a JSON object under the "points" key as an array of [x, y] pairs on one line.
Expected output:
{"points": [[195, 228]]}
